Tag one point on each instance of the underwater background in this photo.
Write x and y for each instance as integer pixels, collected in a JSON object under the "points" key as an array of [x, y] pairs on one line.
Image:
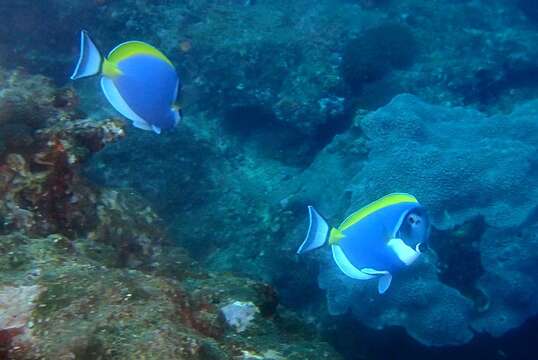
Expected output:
{"points": [[118, 243]]}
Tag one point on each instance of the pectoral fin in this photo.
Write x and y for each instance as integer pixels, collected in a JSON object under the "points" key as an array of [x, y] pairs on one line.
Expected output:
{"points": [[384, 283]]}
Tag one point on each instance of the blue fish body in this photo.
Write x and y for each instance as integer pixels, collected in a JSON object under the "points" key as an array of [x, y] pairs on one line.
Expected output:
{"points": [[138, 80], [375, 241], [365, 242], [150, 99]]}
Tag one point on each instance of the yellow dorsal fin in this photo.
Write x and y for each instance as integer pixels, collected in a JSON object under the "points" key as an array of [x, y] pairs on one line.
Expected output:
{"points": [[110, 69], [335, 236], [385, 201], [130, 48]]}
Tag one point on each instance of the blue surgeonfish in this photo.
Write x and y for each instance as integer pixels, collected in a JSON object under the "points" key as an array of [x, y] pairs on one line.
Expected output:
{"points": [[137, 79], [375, 241]]}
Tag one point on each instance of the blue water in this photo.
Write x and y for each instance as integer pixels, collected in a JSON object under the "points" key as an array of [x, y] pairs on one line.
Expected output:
{"points": [[330, 103]]}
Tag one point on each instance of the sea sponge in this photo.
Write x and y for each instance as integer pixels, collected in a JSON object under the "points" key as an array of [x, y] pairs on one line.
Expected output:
{"points": [[376, 51]]}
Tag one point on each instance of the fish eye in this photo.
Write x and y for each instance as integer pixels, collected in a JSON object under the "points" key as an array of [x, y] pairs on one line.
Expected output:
{"points": [[413, 219]]}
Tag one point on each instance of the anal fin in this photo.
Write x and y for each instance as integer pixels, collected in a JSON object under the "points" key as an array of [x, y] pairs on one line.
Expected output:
{"points": [[384, 283]]}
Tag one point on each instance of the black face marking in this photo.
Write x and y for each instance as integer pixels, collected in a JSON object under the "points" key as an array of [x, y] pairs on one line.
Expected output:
{"points": [[414, 229], [413, 219]]}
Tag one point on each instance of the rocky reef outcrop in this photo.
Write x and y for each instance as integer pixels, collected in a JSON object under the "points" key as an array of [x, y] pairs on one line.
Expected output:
{"points": [[90, 272], [261, 147], [273, 123], [43, 140], [473, 172]]}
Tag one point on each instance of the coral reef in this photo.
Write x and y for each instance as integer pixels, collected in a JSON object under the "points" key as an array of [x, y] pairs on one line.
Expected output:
{"points": [[44, 140], [509, 259], [269, 129], [286, 56], [90, 272], [431, 312], [453, 159]]}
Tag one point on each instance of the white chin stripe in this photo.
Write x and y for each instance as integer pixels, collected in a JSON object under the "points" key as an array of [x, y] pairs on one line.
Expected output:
{"points": [[405, 253], [346, 266]]}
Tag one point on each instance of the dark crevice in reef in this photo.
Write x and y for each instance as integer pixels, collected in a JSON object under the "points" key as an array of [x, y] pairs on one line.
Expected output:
{"points": [[376, 52], [334, 126], [458, 254], [358, 342], [259, 127], [300, 292], [488, 84], [151, 172], [244, 120]]}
